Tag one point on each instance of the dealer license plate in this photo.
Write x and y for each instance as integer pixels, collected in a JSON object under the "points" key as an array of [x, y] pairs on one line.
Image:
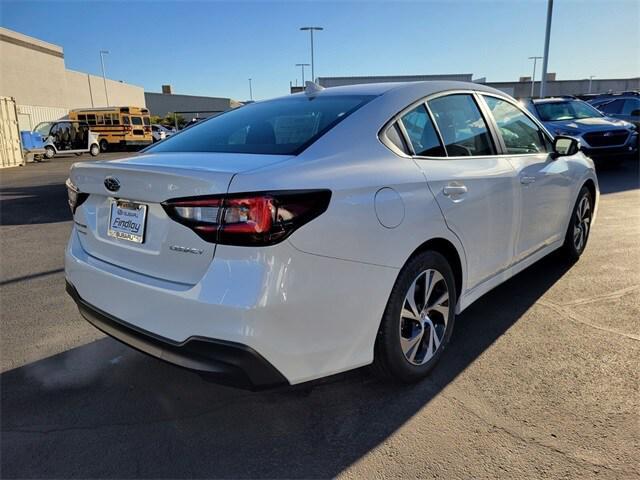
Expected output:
{"points": [[127, 221]]}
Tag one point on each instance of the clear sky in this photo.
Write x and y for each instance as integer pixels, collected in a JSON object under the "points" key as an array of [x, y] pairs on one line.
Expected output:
{"points": [[212, 48]]}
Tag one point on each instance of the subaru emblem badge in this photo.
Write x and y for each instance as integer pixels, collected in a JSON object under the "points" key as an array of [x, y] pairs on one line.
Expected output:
{"points": [[112, 184]]}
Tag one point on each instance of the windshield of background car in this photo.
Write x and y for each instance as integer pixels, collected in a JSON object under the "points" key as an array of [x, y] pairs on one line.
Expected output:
{"points": [[276, 127], [566, 110], [43, 128]]}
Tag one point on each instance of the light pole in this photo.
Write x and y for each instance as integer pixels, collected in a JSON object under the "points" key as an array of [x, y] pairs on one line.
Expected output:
{"points": [[311, 29], [104, 77], [533, 76], [302, 65], [547, 37], [590, 79], [250, 91]]}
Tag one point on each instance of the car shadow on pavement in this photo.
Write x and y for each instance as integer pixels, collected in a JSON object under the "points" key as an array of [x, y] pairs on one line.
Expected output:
{"points": [[619, 178], [34, 204], [103, 410]]}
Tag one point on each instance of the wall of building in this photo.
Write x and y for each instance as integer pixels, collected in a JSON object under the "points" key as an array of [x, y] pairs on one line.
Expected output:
{"points": [[568, 87], [198, 107], [31, 115], [33, 72], [516, 89], [85, 90]]}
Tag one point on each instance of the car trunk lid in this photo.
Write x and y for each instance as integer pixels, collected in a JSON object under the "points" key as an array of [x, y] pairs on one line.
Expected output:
{"points": [[163, 248]]}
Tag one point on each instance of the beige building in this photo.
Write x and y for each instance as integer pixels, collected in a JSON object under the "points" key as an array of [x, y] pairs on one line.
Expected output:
{"points": [[33, 72]]}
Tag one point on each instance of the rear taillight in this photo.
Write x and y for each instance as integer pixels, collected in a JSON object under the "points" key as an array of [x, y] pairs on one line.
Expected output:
{"points": [[248, 219], [75, 197]]}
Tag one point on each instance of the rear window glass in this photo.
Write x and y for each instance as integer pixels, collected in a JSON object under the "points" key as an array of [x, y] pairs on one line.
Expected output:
{"points": [[276, 127], [395, 136], [422, 134]]}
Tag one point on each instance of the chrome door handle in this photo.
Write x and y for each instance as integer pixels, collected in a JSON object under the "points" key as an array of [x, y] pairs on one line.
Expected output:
{"points": [[453, 190], [525, 180]]}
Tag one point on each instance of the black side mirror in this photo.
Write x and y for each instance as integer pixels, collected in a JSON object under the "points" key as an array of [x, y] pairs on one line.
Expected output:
{"points": [[564, 147], [635, 113]]}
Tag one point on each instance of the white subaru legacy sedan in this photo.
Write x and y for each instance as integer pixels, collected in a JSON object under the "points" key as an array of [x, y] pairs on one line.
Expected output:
{"points": [[299, 237]]}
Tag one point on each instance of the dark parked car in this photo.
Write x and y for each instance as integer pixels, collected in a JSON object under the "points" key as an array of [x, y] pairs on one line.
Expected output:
{"points": [[600, 136], [625, 107]]}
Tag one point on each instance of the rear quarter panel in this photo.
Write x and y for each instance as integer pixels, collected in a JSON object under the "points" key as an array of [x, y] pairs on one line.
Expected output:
{"points": [[350, 228]]}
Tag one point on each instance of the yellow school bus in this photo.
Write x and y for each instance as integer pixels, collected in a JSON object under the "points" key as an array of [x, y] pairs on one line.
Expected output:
{"points": [[117, 126]]}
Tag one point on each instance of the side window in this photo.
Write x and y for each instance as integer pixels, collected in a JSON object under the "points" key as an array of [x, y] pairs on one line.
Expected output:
{"points": [[631, 107], [91, 119], [461, 125], [395, 136], [125, 120], [100, 119], [613, 107], [115, 119], [519, 132], [422, 134], [82, 118]]}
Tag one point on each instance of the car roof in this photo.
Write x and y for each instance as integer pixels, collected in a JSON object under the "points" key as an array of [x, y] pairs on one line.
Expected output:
{"points": [[412, 89]]}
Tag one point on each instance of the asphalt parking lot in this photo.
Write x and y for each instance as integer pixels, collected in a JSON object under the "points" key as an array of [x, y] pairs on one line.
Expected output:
{"points": [[541, 379]]}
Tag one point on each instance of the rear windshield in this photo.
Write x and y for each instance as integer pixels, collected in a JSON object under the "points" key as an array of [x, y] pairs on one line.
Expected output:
{"points": [[568, 110], [276, 127]]}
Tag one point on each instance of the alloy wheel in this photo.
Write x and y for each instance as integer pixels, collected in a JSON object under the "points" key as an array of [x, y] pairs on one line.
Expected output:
{"points": [[582, 223], [424, 317]]}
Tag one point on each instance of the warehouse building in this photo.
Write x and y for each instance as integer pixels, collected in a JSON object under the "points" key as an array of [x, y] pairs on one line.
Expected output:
{"points": [[519, 89], [33, 72], [188, 106]]}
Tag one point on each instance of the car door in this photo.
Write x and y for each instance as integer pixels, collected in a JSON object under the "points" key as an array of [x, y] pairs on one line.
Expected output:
{"points": [[473, 186], [631, 111], [544, 184]]}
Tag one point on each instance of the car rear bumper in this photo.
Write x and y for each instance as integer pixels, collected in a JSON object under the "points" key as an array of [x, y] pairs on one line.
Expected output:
{"points": [[303, 314], [225, 362]]}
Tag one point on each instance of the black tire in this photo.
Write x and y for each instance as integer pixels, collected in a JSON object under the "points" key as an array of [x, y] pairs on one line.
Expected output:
{"points": [[104, 145], [390, 361], [49, 152], [573, 248], [94, 150]]}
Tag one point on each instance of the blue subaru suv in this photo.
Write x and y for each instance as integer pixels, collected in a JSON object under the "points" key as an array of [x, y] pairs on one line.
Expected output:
{"points": [[600, 137]]}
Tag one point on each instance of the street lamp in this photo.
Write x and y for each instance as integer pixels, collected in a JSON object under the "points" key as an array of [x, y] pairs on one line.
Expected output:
{"points": [[533, 76], [104, 77], [547, 38], [311, 29], [302, 65], [590, 79], [250, 91]]}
